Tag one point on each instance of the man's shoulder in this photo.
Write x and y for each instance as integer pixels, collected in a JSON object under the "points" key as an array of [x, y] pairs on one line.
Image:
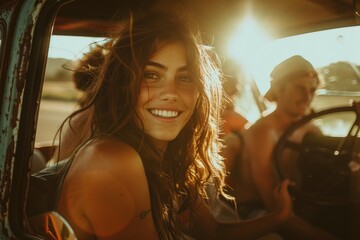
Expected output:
{"points": [[262, 126]]}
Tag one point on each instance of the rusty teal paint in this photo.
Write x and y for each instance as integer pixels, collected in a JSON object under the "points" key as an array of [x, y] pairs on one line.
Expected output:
{"points": [[12, 98], [6, 14], [5, 17]]}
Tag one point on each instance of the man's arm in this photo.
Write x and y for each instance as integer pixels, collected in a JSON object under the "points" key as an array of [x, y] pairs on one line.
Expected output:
{"points": [[204, 226], [260, 142]]}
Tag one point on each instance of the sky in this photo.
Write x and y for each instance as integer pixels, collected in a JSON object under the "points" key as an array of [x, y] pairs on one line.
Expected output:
{"points": [[70, 47]]}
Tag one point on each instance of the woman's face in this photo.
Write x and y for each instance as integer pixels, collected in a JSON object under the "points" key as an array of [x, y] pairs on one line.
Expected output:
{"points": [[168, 94]]}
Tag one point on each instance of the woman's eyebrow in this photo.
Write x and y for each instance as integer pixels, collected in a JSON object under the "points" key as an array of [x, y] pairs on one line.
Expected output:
{"points": [[157, 65], [163, 67], [183, 69]]}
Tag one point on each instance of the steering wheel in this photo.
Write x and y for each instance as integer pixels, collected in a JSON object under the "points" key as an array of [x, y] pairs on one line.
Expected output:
{"points": [[325, 167]]}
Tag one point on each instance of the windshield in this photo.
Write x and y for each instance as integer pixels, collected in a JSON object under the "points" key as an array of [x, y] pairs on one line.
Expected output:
{"points": [[334, 53]]}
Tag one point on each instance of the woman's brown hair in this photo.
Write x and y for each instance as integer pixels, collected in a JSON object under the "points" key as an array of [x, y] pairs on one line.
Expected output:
{"points": [[177, 180]]}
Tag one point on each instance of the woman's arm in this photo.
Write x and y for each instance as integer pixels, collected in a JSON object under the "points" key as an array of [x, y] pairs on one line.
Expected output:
{"points": [[205, 226], [106, 193]]}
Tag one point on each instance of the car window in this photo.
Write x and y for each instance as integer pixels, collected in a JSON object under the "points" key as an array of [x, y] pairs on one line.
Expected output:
{"points": [[59, 95]]}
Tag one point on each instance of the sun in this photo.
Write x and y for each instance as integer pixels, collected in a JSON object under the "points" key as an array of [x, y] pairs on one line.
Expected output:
{"points": [[247, 40]]}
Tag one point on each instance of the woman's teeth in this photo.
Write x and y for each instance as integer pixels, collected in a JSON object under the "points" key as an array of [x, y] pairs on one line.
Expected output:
{"points": [[164, 113]]}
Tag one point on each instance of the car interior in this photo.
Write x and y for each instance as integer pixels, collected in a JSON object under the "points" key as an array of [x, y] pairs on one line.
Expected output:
{"points": [[254, 56], [252, 36], [327, 38]]}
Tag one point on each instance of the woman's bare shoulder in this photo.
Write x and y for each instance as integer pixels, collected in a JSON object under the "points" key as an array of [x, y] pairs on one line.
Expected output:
{"points": [[112, 187], [111, 157], [108, 154]]}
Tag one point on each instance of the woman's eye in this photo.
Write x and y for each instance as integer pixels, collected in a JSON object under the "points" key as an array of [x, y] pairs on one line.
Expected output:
{"points": [[185, 78], [150, 75]]}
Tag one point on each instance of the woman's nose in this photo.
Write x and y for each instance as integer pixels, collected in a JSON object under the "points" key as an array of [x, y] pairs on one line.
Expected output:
{"points": [[169, 90]]}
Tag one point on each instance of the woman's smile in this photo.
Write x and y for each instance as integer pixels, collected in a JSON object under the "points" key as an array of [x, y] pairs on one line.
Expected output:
{"points": [[165, 113], [168, 94]]}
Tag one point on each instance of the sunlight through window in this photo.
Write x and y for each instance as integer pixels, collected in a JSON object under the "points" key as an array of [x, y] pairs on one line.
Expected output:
{"points": [[247, 40]]}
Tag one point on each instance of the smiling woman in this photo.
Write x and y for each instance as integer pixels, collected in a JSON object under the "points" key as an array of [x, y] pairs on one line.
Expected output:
{"points": [[168, 94], [151, 144], [134, 139], [29, 27]]}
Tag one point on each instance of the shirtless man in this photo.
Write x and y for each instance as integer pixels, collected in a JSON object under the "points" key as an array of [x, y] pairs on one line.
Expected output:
{"points": [[293, 85]]}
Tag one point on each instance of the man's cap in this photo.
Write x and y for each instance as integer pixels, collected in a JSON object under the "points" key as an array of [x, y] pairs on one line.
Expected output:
{"points": [[293, 66]]}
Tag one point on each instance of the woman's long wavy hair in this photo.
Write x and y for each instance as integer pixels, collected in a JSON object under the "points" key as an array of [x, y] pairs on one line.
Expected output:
{"points": [[178, 179]]}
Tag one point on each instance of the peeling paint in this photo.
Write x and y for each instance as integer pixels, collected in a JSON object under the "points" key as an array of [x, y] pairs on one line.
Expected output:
{"points": [[10, 107], [6, 15]]}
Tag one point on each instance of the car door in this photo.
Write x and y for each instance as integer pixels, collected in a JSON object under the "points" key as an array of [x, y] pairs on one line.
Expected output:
{"points": [[25, 28]]}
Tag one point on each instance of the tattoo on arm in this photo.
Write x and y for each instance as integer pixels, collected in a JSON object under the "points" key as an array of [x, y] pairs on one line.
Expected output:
{"points": [[144, 213]]}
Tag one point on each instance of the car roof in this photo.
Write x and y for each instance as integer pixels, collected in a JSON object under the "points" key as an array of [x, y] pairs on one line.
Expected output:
{"points": [[290, 17], [280, 17]]}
